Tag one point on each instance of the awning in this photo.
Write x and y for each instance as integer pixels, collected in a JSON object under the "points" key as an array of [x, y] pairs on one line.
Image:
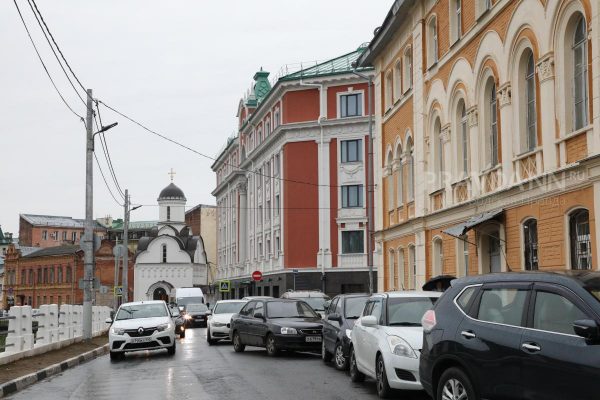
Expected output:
{"points": [[460, 229]]}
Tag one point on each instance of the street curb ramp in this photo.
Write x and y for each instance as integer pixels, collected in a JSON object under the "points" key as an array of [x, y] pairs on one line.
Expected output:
{"points": [[21, 383]]}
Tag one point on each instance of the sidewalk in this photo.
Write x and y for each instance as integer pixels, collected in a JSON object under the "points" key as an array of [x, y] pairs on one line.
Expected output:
{"points": [[23, 372]]}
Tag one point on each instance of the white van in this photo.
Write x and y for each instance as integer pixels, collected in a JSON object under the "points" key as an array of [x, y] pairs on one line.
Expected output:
{"points": [[184, 296]]}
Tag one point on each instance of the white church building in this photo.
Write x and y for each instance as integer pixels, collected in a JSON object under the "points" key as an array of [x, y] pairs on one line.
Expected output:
{"points": [[170, 257]]}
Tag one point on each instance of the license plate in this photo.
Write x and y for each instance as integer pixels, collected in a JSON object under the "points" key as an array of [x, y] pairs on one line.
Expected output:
{"points": [[140, 340], [314, 339]]}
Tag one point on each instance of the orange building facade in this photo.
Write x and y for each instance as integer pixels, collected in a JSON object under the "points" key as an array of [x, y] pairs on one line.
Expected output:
{"points": [[487, 149], [291, 191]]}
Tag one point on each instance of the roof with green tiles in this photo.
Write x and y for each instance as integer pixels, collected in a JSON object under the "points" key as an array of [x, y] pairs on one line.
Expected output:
{"points": [[117, 225], [335, 66]]}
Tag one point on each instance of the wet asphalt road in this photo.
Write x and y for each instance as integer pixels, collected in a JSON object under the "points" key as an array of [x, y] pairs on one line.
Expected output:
{"points": [[199, 371]]}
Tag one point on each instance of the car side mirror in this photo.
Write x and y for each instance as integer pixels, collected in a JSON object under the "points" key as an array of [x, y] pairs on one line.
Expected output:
{"points": [[335, 317], [368, 320], [326, 305], [108, 320], [259, 315], [209, 312], [587, 328]]}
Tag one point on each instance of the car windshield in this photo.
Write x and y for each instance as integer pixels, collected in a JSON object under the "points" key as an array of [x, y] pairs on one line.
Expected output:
{"points": [[229, 308], [408, 311], [354, 307], [141, 311], [196, 308], [317, 303], [289, 309], [185, 301]]}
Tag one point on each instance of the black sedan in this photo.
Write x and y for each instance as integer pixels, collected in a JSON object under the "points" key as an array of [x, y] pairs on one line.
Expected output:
{"points": [[343, 311], [178, 320], [196, 314], [277, 324]]}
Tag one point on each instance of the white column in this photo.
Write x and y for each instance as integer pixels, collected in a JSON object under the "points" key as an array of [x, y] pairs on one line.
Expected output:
{"points": [[475, 154], [243, 225], [421, 195], [324, 258], [420, 258], [506, 131], [545, 70]]}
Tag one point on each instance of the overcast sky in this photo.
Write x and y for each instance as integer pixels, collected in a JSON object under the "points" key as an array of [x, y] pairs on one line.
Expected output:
{"points": [[180, 67]]}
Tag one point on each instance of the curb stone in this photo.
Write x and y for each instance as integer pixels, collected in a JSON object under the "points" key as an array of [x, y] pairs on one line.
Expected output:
{"points": [[21, 383]]}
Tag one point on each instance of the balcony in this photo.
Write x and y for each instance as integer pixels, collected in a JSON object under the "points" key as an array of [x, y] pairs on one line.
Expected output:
{"points": [[491, 179], [352, 260], [528, 165]]}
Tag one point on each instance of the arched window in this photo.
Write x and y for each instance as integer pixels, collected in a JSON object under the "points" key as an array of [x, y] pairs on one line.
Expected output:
{"points": [[580, 239], [432, 43], [68, 274], [412, 268], [267, 127], [491, 119], [528, 97], [164, 253], [407, 69], [530, 244], [400, 177], [400, 271], [390, 182], [438, 153], [397, 81], [438, 257], [411, 170], [580, 75], [391, 269], [463, 138], [389, 102], [59, 274]]}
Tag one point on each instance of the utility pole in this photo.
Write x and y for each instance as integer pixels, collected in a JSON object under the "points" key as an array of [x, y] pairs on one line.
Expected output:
{"points": [[88, 242], [125, 244]]}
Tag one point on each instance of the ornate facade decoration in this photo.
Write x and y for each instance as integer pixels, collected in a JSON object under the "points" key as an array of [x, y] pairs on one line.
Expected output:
{"points": [[505, 94], [545, 67]]}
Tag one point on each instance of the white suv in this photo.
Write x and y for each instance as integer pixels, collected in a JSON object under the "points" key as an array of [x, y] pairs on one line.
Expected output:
{"points": [[142, 325], [387, 340]]}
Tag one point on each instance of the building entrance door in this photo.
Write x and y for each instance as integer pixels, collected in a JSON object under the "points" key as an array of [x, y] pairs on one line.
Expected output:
{"points": [[494, 251], [160, 294]]}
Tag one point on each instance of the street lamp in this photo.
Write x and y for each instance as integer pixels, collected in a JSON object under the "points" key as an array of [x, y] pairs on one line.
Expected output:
{"points": [[370, 165]]}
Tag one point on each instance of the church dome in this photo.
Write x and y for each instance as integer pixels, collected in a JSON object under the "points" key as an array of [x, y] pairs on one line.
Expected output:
{"points": [[171, 192]]}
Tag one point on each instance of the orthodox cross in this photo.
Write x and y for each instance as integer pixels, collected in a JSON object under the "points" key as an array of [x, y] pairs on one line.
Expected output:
{"points": [[172, 173]]}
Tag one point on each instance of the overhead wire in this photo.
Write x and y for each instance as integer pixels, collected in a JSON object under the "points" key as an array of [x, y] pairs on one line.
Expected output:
{"points": [[42, 62], [105, 181], [104, 145], [52, 48], [184, 146], [58, 48]]}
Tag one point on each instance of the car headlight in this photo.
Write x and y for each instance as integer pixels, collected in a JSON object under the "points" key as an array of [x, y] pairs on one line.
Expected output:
{"points": [[289, 331], [400, 347], [117, 331], [218, 324], [163, 327], [187, 317], [349, 333]]}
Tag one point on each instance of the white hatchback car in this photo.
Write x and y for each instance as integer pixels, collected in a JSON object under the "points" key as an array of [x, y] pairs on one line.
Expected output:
{"points": [[387, 340], [218, 321], [142, 325]]}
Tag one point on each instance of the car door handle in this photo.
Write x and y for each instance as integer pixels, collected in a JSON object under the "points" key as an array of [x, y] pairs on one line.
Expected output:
{"points": [[468, 334], [531, 347]]}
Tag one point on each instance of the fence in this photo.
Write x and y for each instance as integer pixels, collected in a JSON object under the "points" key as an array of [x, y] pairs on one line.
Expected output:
{"points": [[26, 331]]}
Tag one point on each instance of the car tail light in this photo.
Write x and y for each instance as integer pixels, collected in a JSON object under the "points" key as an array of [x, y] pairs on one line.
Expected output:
{"points": [[428, 321]]}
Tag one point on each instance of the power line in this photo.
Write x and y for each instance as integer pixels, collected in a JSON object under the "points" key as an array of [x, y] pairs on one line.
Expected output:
{"points": [[105, 181], [58, 48], [104, 144], [42, 62], [54, 52], [212, 158], [257, 208]]}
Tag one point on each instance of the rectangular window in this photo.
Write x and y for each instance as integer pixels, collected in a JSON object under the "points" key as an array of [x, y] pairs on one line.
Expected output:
{"points": [[458, 19], [351, 150], [164, 253], [352, 196], [44, 235], [276, 166], [56, 237], [277, 245], [351, 105], [64, 235], [276, 205], [503, 306], [73, 236], [353, 242]]}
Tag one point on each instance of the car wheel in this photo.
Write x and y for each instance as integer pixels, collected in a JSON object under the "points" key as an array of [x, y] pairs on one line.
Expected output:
{"points": [[209, 339], [272, 349], [115, 356], [355, 374], [325, 355], [455, 384], [171, 350], [340, 360], [238, 346], [383, 386]]}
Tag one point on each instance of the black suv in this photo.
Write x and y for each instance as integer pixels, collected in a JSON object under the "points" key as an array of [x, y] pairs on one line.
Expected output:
{"points": [[515, 336], [339, 320]]}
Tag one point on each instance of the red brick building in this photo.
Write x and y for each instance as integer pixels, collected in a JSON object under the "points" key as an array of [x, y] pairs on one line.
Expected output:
{"points": [[50, 231], [51, 275]]}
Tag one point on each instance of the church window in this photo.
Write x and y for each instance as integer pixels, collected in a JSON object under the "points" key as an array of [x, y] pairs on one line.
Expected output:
{"points": [[164, 253], [168, 213]]}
